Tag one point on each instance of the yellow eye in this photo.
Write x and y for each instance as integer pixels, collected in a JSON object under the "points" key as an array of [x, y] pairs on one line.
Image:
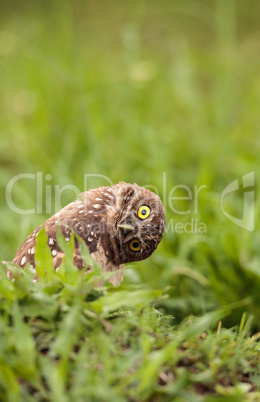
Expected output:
{"points": [[135, 245], [144, 212]]}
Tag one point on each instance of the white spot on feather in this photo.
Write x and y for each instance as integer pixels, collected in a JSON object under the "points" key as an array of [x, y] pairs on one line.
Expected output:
{"points": [[99, 199], [90, 239], [51, 241], [109, 196], [54, 253], [23, 260], [96, 206]]}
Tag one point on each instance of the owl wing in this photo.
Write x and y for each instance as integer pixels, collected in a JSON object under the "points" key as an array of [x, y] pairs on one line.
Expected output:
{"points": [[72, 217], [84, 217]]}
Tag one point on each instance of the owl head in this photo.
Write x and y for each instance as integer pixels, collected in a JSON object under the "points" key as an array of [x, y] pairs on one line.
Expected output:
{"points": [[134, 223]]}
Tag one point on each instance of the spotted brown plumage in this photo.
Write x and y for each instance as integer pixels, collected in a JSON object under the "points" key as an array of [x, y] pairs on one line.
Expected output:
{"points": [[119, 224]]}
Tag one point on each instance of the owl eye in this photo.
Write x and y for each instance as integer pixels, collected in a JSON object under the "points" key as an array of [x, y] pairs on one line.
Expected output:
{"points": [[143, 211], [135, 245]]}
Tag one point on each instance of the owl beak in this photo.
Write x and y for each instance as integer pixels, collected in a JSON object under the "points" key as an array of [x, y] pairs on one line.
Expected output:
{"points": [[126, 227]]}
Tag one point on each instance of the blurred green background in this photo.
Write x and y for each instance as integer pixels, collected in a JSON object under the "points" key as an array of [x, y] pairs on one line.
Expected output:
{"points": [[158, 93]]}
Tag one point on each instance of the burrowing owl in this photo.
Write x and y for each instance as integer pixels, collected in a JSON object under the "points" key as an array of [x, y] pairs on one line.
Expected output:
{"points": [[119, 224]]}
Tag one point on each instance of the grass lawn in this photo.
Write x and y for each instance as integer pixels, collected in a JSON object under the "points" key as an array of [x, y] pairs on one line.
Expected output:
{"points": [[165, 95]]}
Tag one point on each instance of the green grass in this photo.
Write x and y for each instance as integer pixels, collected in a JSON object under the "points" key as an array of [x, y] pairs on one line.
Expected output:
{"points": [[62, 339], [157, 94]]}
